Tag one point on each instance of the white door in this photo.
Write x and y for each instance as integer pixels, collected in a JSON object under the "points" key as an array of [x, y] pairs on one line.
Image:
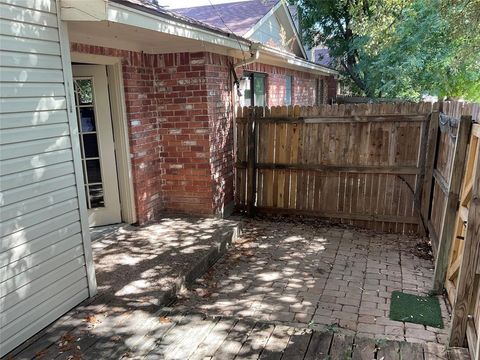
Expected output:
{"points": [[96, 140]]}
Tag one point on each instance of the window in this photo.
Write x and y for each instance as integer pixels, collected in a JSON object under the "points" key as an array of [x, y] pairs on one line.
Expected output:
{"points": [[252, 87], [87, 126], [288, 90]]}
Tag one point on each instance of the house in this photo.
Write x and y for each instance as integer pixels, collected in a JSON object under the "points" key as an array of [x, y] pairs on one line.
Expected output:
{"points": [[116, 111]]}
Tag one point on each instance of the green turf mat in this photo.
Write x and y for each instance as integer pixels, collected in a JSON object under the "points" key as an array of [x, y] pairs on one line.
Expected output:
{"points": [[423, 310]]}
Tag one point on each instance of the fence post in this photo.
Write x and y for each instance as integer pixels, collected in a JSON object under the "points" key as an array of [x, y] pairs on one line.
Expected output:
{"points": [[466, 275], [449, 216], [430, 155], [251, 162]]}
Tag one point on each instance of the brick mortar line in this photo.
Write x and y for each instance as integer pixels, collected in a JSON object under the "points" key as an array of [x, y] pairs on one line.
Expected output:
{"points": [[401, 279], [363, 284]]}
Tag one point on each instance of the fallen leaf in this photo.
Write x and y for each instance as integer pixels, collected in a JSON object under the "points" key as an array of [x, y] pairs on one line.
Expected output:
{"points": [[164, 320], [38, 354], [91, 319]]}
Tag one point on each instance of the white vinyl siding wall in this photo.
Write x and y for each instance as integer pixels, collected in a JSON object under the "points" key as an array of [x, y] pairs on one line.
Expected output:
{"points": [[43, 262]]}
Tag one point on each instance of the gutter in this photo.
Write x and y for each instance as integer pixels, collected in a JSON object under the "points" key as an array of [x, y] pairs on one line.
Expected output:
{"points": [[295, 61]]}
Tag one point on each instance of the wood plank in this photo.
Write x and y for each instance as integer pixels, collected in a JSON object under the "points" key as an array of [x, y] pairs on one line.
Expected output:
{"points": [[441, 181], [166, 340], [364, 349], [466, 278], [361, 169], [420, 180], [446, 237], [430, 154], [256, 341], [389, 350], [195, 331], [384, 118], [111, 342], [297, 345], [234, 341], [319, 346], [150, 334], [341, 346], [458, 354], [214, 339], [411, 351], [473, 341], [276, 343]]}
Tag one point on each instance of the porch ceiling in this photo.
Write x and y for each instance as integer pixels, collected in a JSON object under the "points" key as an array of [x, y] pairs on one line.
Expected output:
{"points": [[125, 37]]}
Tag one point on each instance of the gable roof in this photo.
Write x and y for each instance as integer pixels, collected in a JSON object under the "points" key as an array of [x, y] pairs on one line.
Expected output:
{"points": [[238, 17]]}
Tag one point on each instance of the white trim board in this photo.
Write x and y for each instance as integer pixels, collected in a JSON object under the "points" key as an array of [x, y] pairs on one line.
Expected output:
{"points": [[120, 129], [77, 161]]}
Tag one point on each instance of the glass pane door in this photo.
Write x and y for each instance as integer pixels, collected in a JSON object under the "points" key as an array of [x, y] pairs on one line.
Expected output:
{"points": [[87, 126]]}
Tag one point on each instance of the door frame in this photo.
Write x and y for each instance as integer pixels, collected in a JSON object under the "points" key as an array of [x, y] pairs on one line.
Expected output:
{"points": [[120, 129]]}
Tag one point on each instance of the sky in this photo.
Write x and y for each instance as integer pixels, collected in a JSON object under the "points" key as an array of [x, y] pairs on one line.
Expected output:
{"points": [[175, 4]]}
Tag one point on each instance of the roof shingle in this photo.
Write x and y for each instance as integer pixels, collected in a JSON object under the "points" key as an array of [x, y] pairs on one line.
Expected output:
{"points": [[237, 17]]}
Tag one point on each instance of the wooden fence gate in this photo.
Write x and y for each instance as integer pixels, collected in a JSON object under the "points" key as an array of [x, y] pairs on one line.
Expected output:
{"points": [[356, 164], [463, 274]]}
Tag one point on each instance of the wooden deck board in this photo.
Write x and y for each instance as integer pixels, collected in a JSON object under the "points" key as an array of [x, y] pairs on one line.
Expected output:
{"points": [[364, 349], [168, 335], [341, 346], [411, 351], [234, 341], [276, 343], [389, 350], [297, 345], [319, 346], [255, 343], [213, 340]]}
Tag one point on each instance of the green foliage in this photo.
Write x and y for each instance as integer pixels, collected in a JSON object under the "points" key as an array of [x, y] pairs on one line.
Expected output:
{"points": [[400, 49]]}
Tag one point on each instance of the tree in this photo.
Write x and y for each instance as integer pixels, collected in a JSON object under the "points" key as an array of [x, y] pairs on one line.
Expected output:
{"points": [[350, 29], [400, 48], [434, 49]]}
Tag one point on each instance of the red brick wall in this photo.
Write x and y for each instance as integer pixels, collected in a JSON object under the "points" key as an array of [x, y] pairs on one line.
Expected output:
{"points": [[180, 118], [304, 84], [180, 82], [144, 123], [220, 104]]}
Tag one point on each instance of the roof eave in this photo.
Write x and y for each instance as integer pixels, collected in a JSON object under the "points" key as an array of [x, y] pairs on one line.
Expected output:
{"points": [[129, 14], [294, 61], [117, 11]]}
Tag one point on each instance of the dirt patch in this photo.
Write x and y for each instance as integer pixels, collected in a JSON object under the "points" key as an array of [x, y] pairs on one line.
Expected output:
{"points": [[423, 250]]}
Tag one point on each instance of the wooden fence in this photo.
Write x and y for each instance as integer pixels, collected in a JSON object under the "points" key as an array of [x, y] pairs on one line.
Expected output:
{"points": [[453, 212], [356, 164]]}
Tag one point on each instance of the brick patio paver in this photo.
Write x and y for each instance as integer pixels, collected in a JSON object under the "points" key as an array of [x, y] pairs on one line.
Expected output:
{"points": [[316, 276]]}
